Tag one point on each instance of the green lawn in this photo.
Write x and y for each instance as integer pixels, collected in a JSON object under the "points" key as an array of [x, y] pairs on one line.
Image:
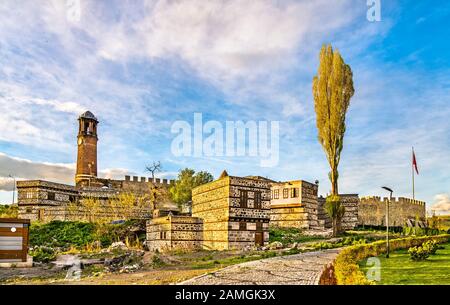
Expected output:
{"points": [[444, 222], [399, 269]]}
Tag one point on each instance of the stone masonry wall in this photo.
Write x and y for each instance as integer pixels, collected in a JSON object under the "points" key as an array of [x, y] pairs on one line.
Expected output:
{"points": [[228, 223], [252, 217], [174, 232], [351, 204], [300, 210], [46, 201], [350, 219], [210, 203], [372, 211]]}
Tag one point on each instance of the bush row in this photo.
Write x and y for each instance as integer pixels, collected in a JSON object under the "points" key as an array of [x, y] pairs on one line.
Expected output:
{"points": [[346, 266]]}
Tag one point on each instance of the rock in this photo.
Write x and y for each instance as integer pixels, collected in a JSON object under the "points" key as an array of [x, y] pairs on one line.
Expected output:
{"points": [[117, 245], [275, 245]]}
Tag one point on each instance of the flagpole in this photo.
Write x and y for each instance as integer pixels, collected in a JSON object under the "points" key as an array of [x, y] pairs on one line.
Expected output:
{"points": [[412, 170]]}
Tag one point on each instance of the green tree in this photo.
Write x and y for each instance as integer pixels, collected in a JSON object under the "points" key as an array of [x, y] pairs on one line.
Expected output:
{"points": [[332, 90], [181, 191]]}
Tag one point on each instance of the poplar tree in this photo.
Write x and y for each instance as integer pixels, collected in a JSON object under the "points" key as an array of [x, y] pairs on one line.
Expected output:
{"points": [[332, 90]]}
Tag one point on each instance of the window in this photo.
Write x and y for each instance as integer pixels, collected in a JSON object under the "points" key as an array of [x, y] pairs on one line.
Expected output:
{"points": [[50, 196], [276, 194], [243, 199], [259, 226], [257, 200], [285, 193], [29, 195], [242, 226], [294, 192], [41, 214]]}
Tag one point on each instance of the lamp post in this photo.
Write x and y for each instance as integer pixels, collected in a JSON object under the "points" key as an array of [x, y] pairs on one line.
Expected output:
{"points": [[14, 187], [387, 218]]}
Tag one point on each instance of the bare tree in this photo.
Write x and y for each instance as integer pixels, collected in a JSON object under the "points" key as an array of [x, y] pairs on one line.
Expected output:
{"points": [[154, 168]]}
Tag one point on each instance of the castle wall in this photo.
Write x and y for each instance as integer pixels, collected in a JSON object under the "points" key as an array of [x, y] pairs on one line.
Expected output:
{"points": [[372, 211], [351, 204], [46, 201]]}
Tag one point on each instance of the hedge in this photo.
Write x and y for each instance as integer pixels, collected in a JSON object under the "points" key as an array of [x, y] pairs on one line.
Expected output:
{"points": [[346, 266]]}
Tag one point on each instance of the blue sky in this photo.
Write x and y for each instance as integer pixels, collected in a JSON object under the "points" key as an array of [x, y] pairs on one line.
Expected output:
{"points": [[141, 65]]}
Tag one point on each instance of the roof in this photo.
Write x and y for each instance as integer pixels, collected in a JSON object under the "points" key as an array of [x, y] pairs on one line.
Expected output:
{"points": [[259, 178], [88, 115]]}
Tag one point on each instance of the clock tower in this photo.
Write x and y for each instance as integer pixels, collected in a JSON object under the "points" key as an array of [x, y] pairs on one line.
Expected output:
{"points": [[87, 149]]}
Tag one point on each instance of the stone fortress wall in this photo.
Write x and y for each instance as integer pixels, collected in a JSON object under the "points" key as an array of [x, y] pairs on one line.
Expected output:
{"points": [[372, 211], [45, 201]]}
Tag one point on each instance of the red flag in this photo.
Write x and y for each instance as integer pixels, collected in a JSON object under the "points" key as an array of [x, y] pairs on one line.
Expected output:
{"points": [[414, 162]]}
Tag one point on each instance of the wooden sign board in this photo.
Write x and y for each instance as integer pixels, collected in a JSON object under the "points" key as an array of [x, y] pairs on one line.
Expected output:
{"points": [[14, 239]]}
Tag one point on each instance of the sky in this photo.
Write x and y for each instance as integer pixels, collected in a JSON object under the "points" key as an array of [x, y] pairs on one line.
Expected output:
{"points": [[140, 66]]}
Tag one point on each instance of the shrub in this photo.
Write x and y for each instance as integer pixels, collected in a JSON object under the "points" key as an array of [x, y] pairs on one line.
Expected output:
{"points": [[43, 254], [430, 246], [418, 253], [65, 235], [346, 267], [8, 211], [62, 234]]}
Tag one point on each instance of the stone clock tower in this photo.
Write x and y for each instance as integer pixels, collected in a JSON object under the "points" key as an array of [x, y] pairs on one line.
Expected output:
{"points": [[87, 149]]}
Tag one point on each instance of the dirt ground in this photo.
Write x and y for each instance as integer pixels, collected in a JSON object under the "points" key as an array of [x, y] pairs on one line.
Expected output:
{"points": [[158, 269]]}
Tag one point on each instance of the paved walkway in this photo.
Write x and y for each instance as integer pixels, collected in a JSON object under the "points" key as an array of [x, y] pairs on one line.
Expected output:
{"points": [[299, 269]]}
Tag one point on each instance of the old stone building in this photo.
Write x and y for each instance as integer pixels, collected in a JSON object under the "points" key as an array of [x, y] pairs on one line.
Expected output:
{"points": [[235, 212], [228, 213], [295, 204], [402, 211], [46, 201], [174, 232]]}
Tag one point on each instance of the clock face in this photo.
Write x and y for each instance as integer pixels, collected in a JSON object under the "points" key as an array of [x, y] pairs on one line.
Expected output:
{"points": [[80, 141]]}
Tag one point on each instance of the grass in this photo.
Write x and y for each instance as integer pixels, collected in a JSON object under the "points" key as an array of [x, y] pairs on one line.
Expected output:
{"points": [[289, 236], [399, 269], [444, 222], [8, 211]]}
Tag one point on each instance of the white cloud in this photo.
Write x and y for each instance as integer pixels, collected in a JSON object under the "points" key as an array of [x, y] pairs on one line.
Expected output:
{"points": [[23, 169], [441, 204]]}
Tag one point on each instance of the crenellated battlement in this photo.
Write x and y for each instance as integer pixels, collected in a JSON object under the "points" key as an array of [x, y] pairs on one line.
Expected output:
{"points": [[137, 179], [395, 200], [372, 210]]}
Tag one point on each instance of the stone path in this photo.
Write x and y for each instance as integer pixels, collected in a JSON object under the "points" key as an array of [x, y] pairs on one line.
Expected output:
{"points": [[299, 269]]}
